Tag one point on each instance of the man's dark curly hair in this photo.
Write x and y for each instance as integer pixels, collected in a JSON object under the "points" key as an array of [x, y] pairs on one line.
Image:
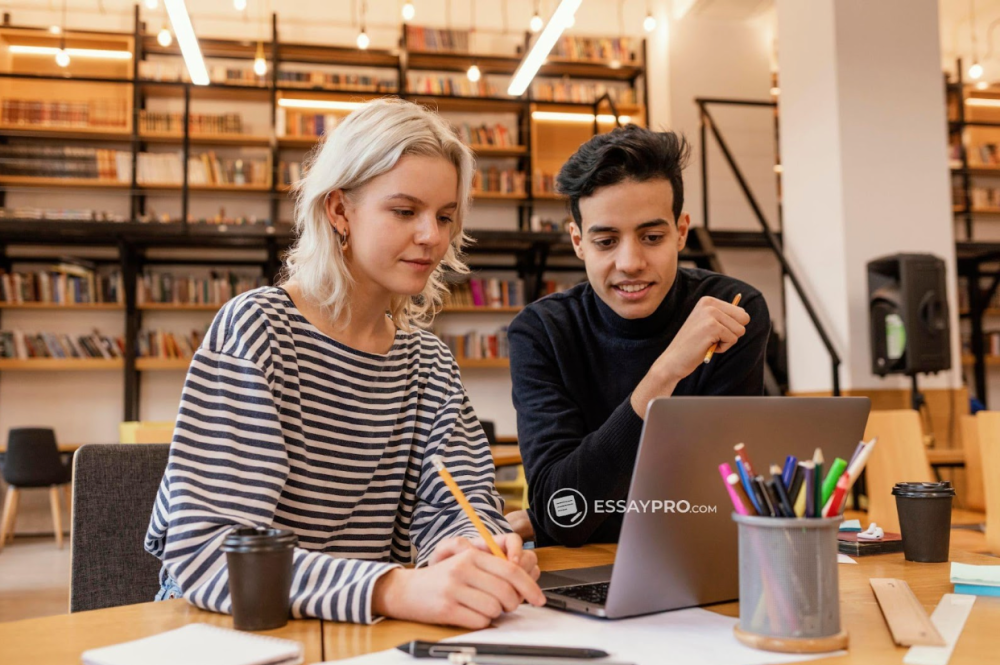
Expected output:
{"points": [[626, 153]]}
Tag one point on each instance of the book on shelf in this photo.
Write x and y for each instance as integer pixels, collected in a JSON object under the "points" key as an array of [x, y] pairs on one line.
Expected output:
{"points": [[309, 124], [984, 197], [164, 168], [289, 173], [548, 90], [62, 284], [199, 123], [25, 346], [167, 345], [216, 289], [60, 214], [47, 161], [500, 181], [101, 113], [606, 49], [486, 293], [545, 183], [497, 135], [455, 85], [175, 70], [985, 154], [441, 40], [477, 345], [338, 80]]}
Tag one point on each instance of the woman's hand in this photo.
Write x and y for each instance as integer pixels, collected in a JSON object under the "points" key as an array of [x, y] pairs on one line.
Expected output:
{"points": [[467, 588], [510, 543]]}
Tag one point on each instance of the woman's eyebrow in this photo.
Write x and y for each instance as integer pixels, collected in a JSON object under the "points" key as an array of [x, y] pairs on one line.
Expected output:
{"points": [[417, 201]]}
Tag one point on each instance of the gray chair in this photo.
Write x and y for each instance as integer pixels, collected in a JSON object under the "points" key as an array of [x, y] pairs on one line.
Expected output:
{"points": [[114, 488]]}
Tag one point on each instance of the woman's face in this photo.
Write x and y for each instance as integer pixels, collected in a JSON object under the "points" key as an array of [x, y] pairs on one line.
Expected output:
{"points": [[400, 225]]}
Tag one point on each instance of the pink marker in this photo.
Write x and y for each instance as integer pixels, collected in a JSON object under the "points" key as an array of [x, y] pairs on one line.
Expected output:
{"points": [[725, 471]]}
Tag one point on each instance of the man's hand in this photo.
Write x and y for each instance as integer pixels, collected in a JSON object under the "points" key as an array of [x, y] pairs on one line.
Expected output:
{"points": [[468, 589], [712, 321]]}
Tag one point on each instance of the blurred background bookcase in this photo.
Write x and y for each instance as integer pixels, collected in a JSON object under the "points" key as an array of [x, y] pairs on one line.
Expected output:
{"points": [[124, 164]]}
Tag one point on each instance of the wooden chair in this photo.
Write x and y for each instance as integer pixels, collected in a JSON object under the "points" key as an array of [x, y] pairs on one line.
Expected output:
{"points": [[151, 431], [975, 499], [899, 456], [989, 448]]}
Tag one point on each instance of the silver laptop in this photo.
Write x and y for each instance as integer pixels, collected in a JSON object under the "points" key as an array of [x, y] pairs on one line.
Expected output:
{"points": [[684, 554]]}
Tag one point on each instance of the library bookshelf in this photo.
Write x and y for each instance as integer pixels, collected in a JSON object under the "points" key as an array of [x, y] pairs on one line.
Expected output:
{"points": [[151, 80]]}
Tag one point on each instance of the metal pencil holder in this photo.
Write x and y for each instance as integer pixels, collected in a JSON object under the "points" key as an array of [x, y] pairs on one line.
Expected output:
{"points": [[789, 591]]}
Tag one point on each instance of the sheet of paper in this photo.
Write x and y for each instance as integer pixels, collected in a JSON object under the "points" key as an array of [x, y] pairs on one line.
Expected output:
{"points": [[843, 558], [964, 573], [949, 618], [688, 636]]}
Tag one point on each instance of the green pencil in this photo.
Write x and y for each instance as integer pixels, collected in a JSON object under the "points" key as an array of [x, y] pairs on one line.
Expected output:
{"points": [[830, 482]]}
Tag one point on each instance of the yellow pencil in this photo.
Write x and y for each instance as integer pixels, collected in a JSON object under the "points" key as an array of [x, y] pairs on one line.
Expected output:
{"points": [[711, 349], [470, 512]]}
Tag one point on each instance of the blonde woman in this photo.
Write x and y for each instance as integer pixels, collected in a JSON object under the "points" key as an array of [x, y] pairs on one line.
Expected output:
{"points": [[317, 405]]}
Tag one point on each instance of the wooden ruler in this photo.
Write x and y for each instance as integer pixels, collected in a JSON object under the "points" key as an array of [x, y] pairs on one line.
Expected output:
{"points": [[907, 619]]}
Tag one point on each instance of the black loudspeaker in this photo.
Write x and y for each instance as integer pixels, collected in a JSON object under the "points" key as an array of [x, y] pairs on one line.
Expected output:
{"points": [[908, 306]]}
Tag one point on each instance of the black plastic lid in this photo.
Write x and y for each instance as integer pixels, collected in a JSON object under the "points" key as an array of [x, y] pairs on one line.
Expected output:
{"points": [[940, 490], [258, 539]]}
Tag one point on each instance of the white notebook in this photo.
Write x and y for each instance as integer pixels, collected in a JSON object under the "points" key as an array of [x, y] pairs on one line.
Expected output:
{"points": [[199, 644]]}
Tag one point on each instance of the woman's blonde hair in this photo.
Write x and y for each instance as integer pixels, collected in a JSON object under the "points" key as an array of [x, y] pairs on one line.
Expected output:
{"points": [[367, 143]]}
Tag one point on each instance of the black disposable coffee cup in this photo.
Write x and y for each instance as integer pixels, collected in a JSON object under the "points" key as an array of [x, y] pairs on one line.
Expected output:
{"points": [[260, 576], [925, 519]]}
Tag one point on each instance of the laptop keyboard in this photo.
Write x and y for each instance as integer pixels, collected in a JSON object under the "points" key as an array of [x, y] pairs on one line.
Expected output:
{"points": [[592, 593]]}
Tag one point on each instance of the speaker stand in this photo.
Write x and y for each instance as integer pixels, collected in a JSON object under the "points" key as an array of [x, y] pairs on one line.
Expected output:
{"points": [[919, 404]]}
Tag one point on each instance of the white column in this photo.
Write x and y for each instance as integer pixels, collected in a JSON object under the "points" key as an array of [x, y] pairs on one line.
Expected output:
{"points": [[864, 153]]}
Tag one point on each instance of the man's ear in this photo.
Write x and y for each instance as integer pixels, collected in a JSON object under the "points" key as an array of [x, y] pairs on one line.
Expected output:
{"points": [[576, 235], [683, 224], [336, 212]]}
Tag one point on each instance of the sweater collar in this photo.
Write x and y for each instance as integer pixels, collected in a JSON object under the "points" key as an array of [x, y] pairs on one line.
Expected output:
{"points": [[653, 325]]}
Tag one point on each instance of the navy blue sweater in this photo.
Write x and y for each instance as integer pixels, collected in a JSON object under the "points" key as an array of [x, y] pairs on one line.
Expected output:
{"points": [[575, 363]]}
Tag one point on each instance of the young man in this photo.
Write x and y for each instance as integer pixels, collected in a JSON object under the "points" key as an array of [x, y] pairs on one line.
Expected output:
{"points": [[586, 362]]}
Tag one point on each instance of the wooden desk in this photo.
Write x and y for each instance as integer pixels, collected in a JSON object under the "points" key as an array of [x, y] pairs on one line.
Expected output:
{"points": [[946, 456], [505, 455], [870, 642], [61, 639], [63, 447]]}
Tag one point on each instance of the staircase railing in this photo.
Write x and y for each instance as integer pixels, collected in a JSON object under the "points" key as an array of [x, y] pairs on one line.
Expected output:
{"points": [[708, 124]]}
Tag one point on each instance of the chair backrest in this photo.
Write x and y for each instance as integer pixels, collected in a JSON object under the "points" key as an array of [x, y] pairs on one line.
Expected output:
{"points": [[490, 430], [975, 499], [146, 431], [989, 448], [899, 456], [33, 458], [114, 489]]}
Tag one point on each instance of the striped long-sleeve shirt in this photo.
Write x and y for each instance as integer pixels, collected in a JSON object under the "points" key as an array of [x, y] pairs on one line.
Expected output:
{"points": [[281, 425]]}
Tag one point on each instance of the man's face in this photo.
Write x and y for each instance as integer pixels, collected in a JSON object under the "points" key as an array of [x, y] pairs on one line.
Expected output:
{"points": [[629, 244]]}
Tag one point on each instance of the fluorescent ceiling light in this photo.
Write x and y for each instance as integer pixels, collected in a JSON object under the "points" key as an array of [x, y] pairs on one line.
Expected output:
{"points": [[318, 104], [184, 32], [554, 116], [982, 101], [72, 52], [561, 18]]}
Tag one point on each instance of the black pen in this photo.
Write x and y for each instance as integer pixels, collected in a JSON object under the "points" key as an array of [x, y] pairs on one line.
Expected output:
{"points": [[770, 510], [421, 649]]}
